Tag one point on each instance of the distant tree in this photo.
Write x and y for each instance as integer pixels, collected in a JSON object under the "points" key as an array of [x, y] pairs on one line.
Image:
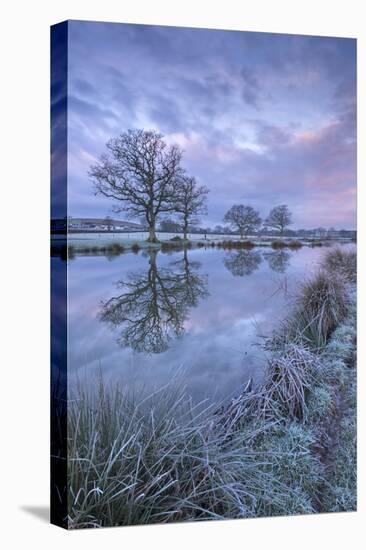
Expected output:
{"points": [[320, 232], [190, 201], [108, 222], [290, 233], [279, 218], [170, 226], [243, 219], [194, 229], [139, 172]]}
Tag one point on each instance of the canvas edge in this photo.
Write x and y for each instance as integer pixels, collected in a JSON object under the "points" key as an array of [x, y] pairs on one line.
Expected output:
{"points": [[58, 367]]}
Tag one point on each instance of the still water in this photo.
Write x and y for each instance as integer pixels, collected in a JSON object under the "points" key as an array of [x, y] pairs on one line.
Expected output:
{"points": [[142, 319]]}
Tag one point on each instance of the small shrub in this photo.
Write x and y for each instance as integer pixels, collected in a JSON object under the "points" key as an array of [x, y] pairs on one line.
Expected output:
{"points": [[295, 244], [173, 244], [278, 244], [116, 248], [246, 245], [135, 248]]}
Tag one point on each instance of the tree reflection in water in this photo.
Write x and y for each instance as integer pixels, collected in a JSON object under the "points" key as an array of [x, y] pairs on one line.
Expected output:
{"points": [[153, 305], [278, 260], [242, 262]]}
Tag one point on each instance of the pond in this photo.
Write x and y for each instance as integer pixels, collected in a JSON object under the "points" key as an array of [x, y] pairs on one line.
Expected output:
{"points": [[197, 316]]}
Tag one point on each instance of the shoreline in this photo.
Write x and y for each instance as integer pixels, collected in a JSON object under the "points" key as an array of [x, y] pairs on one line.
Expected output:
{"points": [[117, 245]]}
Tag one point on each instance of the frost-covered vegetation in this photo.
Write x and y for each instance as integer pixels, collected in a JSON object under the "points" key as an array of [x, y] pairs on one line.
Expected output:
{"points": [[118, 243], [286, 447]]}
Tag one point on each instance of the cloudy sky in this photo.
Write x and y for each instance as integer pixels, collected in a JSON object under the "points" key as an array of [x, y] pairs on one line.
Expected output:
{"points": [[263, 119]]}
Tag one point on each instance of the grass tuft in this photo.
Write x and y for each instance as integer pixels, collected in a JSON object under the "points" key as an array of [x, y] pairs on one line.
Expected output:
{"points": [[294, 244], [343, 262], [288, 381], [322, 306]]}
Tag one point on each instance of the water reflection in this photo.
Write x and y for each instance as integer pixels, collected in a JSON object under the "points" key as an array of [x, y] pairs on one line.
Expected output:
{"points": [[278, 260], [154, 304], [243, 262], [217, 351]]}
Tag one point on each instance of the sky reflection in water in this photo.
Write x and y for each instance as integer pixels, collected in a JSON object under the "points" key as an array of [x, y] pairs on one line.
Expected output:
{"points": [[141, 319]]}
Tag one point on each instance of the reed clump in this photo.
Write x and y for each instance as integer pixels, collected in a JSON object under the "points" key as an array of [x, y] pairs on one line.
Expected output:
{"points": [[278, 244], [293, 244], [321, 307], [246, 245]]}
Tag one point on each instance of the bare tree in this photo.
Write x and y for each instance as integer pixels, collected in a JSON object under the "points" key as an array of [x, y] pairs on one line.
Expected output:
{"points": [[279, 218], [139, 171], [243, 219], [190, 202]]}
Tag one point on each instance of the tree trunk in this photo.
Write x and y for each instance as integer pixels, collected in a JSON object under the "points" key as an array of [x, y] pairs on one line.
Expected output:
{"points": [[185, 257], [152, 235], [152, 259], [185, 231]]}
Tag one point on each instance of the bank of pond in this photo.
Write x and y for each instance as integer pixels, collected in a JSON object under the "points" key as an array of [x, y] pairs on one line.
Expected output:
{"points": [[114, 244]]}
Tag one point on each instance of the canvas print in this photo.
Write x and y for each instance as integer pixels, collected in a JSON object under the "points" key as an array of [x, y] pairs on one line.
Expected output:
{"points": [[203, 274]]}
